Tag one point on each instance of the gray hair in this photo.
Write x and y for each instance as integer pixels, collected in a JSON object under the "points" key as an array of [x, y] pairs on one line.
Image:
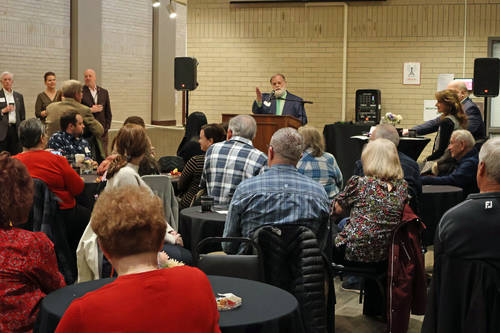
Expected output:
{"points": [[380, 159], [30, 132], [71, 87], [244, 126], [464, 136], [459, 85], [490, 155], [386, 131], [6, 73], [288, 144]]}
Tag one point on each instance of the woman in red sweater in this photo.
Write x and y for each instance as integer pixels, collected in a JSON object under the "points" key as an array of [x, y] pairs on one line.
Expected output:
{"points": [[59, 176], [28, 265], [130, 228]]}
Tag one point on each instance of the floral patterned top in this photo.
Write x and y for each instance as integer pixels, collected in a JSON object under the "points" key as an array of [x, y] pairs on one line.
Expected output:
{"points": [[28, 271], [374, 213]]}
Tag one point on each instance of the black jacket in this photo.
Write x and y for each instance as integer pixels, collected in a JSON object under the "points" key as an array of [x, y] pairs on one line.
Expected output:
{"points": [[293, 261]]}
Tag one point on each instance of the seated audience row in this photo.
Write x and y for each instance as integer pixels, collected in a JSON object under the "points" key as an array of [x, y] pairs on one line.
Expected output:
{"points": [[277, 196]]}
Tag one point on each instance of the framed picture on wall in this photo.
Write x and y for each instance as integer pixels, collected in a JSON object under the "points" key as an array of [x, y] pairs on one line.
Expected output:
{"points": [[411, 73]]}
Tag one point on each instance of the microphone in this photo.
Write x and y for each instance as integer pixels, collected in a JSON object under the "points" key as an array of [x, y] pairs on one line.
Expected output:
{"points": [[272, 95]]}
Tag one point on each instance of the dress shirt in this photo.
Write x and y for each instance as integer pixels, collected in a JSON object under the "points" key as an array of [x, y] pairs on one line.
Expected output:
{"points": [[69, 145], [227, 164], [280, 104], [93, 92], [323, 169], [279, 195], [9, 98]]}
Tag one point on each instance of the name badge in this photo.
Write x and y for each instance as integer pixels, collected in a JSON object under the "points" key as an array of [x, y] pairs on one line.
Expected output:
{"points": [[87, 150], [267, 103], [2, 99]]}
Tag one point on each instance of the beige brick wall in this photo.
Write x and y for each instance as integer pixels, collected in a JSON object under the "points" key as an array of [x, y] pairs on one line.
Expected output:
{"points": [[126, 57], [240, 47], [34, 39]]}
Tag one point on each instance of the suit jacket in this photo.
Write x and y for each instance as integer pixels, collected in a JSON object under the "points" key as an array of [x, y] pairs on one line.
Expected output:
{"points": [[4, 118], [293, 107], [105, 115], [475, 123], [92, 126]]}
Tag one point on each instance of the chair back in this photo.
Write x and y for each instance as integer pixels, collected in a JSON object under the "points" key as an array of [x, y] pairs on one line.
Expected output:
{"points": [[161, 185], [44, 218], [293, 261], [244, 266], [169, 163]]}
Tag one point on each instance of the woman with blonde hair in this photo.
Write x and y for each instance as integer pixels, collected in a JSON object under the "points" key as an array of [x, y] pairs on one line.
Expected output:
{"points": [[318, 164], [375, 203]]}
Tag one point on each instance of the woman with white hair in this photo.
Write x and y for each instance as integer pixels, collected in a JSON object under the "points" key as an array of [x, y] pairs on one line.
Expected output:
{"points": [[375, 202]]}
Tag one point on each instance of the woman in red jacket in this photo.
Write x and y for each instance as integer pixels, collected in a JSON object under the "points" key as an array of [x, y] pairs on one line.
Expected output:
{"points": [[130, 229], [57, 173], [28, 265]]}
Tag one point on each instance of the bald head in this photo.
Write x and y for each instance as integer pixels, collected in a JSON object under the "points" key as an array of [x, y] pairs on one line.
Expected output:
{"points": [[459, 87], [90, 78]]}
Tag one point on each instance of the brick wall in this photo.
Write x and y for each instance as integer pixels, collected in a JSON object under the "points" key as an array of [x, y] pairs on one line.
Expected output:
{"points": [[34, 39], [127, 57], [240, 47]]}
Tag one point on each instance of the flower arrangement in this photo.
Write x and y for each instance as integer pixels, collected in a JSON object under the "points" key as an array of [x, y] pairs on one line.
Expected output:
{"points": [[164, 261], [392, 119]]}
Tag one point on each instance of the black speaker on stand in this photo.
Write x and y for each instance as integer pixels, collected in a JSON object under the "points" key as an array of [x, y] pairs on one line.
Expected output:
{"points": [[486, 81], [185, 79]]}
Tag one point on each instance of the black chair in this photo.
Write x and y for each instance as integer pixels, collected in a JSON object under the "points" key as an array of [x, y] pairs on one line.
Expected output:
{"points": [[244, 266], [169, 163], [372, 276], [293, 261], [44, 218]]}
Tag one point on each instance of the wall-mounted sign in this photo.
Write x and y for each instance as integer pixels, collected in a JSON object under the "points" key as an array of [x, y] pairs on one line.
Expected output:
{"points": [[411, 73]]}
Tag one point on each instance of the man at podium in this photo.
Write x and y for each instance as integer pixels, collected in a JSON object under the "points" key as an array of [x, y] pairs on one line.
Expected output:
{"points": [[279, 101]]}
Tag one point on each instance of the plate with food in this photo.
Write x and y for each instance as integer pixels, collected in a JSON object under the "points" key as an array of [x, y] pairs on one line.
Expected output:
{"points": [[227, 301]]}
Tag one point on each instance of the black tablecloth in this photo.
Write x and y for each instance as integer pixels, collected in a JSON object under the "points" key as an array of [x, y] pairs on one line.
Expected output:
{"points": [[412, 147], [263, 306], [435, 201], [86, 198], [195, 226], [339, 143]]}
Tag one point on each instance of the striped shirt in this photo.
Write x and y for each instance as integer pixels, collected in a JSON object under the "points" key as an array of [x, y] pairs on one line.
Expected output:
{"points": [[227, 164]]}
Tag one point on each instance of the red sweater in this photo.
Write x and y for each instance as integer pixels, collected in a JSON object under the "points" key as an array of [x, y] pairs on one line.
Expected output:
{"points": [[54, 170], [28, 271], [174, 300]]}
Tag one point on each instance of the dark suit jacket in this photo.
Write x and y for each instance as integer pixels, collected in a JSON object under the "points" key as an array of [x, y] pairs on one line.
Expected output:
{"points": [[105, 116], [4, 118], [475, 123], [291, 108]]}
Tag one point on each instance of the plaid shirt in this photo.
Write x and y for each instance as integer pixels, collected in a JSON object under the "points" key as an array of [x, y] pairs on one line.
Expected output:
{"points": [[227, 164], [279, 195], [68, 145], [323, 169]]}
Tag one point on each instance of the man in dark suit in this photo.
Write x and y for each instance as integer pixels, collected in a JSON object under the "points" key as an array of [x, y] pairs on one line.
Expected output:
{"points": [[11, 115], [280, 102], [475, 123], [97, 99]]}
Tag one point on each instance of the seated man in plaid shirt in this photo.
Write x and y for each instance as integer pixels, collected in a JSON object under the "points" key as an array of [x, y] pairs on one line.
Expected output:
{"points": [[279, 195], [230, 162], [69, 139]]}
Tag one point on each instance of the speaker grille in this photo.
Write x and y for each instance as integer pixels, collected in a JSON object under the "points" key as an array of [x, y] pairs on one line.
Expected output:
{"points": [[486, 77]]}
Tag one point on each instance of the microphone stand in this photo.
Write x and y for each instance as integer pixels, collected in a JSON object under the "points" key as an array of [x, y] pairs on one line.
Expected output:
{"points": [[291, 100]]}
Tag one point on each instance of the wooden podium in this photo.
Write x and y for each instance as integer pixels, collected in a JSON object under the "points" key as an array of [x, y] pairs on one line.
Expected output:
{"points": [[267, 124]]}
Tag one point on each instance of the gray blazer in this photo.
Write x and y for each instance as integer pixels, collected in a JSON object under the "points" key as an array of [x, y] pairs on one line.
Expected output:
{"points": [[4, 118]]}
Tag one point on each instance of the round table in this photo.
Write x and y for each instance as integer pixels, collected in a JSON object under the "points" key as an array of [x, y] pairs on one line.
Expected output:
{"points": [[263, 306], [195, 225], [434, 202], [86, 198]]}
